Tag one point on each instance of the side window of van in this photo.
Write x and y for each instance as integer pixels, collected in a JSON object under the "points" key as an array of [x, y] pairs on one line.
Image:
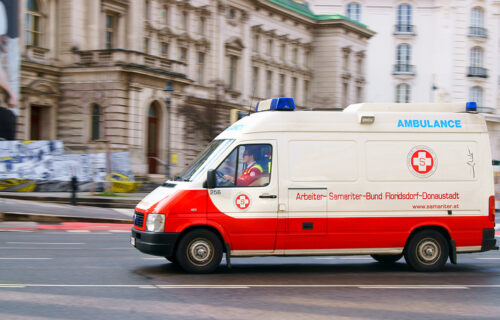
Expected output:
{"points": [[249, 165]]}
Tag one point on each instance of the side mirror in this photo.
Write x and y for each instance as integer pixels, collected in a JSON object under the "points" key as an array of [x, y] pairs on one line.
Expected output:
{"points": [[211, 179]]}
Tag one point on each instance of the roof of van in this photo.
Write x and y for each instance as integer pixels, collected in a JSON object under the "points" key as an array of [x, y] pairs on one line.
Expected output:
{"points": [[350, 120], [406, 107]]}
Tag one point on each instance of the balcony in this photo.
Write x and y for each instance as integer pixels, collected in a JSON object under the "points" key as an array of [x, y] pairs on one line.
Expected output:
{"points": [[404, 29], [404, 69], [131, 59], [478, 32], [477, 72]]}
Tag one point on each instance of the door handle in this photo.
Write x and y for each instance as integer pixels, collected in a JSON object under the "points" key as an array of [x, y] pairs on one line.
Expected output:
{"points": [[268, 196]]}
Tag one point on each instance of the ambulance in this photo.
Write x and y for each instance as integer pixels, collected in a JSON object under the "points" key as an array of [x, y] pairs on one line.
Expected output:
{"points": [[386, 180]]}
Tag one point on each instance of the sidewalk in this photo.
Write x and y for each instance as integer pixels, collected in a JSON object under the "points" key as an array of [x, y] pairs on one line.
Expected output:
{"points": [[121, 200], [55, 208]]}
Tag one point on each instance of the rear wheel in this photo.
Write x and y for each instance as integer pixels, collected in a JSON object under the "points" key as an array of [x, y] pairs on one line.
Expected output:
{"points": [[199, 251], [427, 251], [387, 258]]}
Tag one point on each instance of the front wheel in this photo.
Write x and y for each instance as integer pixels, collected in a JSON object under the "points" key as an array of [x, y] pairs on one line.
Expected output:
{"points": [[427, 251], [387, 258], [199, 251]]}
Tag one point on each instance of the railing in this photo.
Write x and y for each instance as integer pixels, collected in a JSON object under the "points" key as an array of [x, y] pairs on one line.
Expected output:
{"points": [[478, 72], [110, 57], [404, 69], [408, 29], [478, 32]]}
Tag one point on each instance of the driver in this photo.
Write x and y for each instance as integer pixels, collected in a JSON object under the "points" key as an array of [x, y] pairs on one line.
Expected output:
{"points": [[252, 172]]}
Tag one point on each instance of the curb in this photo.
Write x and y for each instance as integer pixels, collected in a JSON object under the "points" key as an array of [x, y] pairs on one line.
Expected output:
{"points": [[38, 217]]}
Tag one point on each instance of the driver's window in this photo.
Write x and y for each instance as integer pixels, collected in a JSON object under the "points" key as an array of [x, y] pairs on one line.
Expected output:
{"points": [[247, 166]]}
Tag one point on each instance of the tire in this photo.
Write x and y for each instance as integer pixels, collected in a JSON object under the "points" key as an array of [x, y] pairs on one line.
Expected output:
{"points": [[427, 251], [387, 258], [199, 251]]}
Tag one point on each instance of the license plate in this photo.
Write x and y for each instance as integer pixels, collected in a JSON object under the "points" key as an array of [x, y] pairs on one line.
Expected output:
{"points": [[132, 241]]}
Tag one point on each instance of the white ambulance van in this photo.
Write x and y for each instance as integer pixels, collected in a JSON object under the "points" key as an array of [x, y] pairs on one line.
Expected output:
{"points": [[386, 180]]}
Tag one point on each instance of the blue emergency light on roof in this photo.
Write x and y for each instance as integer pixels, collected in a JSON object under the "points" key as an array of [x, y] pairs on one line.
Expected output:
{"points": [[471, 106], [278, 104]]}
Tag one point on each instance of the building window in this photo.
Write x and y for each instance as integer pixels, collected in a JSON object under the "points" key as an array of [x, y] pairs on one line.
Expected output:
{"points": [[255, 44], [231, 14], [353, 11], [295, 56], [476, 57], [255, 81], [201, 67], [403, 93], [164, 49], [184, 21], [306, 91], [183, 54], [294, 88], [97, 122], [110, 31], [476, 68], [269, 84], [146, 45], [164, 16], [147, 10], [403, 59], [282, 85], [32, 23], [202, 25], [270, 48], [283, 52], [345, 94], [359, 94], [404, 19], [476, 95], [233, 69]]}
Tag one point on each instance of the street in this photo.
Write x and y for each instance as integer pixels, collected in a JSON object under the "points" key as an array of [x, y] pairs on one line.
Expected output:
{"points": [[98, 275]]}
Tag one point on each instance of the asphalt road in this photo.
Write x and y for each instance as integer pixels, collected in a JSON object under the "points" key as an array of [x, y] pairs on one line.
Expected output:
{"points": [[98, 275]]}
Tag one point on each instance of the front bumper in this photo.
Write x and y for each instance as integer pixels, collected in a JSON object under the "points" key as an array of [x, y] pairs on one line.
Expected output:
{"points": [[155, 243], [489, 241]]}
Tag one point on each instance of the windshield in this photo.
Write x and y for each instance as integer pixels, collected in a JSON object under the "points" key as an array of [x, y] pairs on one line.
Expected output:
{"points": [[199, 165]]}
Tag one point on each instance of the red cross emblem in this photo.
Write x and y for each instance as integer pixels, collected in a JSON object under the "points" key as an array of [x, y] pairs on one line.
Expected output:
{"points": [[242, 201], [422, 161]]}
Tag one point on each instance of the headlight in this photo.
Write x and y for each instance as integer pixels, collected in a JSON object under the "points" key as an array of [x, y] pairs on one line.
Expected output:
{"points": [[155, 222]]}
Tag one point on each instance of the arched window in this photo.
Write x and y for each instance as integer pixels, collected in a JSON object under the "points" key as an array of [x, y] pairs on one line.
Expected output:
{"points": [[476, 95], [477, 17], [403, 93], [476, 28], [353, 11], [403, 58], [32, 24], [476, 57], [404, 18], [97, 122]]}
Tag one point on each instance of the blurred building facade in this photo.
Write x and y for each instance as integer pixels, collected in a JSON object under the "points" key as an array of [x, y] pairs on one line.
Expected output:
{"points": [[430, 51], [160, 78]]}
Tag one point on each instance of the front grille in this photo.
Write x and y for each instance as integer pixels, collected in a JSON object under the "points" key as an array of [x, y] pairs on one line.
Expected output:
{"points": [[138, 219]]}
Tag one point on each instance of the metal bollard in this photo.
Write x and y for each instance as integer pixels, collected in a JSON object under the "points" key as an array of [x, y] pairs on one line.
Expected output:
{"points": [[74, 189]]}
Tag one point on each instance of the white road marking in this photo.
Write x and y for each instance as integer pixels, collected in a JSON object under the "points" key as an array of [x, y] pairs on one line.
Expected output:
{"points": [[450, 287], [356, 258], [48, 243], [249, 286], [488, 258], [26, 258]]}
